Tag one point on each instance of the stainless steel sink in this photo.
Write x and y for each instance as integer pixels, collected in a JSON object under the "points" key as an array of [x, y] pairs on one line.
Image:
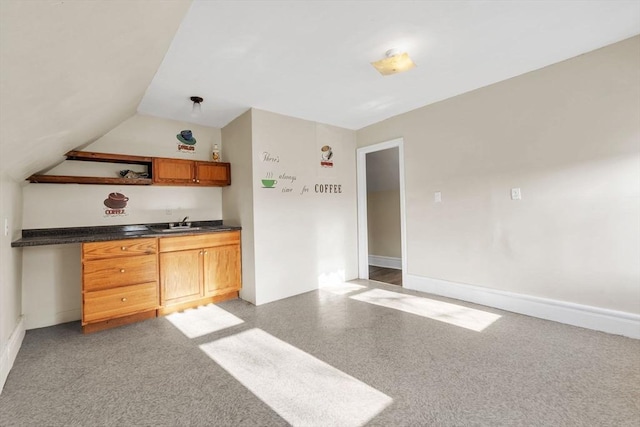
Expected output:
{"points": [[175, 229], [179, 228]]}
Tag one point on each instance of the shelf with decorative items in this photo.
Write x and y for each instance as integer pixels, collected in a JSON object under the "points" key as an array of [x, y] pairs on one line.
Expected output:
{"points": [[160, 171]]}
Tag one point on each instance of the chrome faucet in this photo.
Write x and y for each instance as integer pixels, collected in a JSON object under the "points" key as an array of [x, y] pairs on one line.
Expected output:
{"points": [[184, 221]]}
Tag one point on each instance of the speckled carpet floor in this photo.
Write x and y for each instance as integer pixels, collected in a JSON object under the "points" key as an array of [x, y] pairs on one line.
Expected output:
{"points": [[409, 366]]}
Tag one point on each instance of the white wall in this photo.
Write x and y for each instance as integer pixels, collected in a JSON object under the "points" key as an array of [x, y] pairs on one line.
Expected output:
{"points": [[302, 238], [237, 199], [74, 205], [11, 325], [569, 136]]}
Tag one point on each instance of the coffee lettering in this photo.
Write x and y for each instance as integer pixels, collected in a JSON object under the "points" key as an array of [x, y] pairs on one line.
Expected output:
{"points": [[328, 188]]}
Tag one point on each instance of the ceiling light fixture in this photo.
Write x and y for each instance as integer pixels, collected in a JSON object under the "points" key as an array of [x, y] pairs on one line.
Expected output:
{"points": [[196, 109], [395, 62]]}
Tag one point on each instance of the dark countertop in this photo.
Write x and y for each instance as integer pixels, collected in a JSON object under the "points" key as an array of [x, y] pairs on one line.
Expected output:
{"points": [[59, 236]]}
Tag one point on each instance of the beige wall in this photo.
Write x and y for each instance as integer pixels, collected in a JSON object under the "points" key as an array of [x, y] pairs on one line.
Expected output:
{"points": [[383, 223], [568, 136], [73, 205]]}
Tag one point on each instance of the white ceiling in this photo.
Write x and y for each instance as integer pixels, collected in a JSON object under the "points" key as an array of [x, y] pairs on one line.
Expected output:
{"points": [[310, 59]]}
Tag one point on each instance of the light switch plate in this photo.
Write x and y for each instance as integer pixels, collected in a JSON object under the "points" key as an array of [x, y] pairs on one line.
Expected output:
{"points": [[516, 194], [6, 226], [437, 197]]}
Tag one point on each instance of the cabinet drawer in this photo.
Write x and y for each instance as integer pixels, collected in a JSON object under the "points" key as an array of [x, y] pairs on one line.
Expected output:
{"points": [[110, 303], [119, 248], [170, 244], [113, 272]]}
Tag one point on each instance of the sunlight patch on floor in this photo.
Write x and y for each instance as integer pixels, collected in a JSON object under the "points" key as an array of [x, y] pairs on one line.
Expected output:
{"points": [[465, 317], [203, 320], [342, 288], [303, 390]]}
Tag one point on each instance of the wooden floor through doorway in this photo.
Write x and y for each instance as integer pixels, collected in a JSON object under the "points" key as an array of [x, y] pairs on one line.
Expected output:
{"points": [[385, 275]]}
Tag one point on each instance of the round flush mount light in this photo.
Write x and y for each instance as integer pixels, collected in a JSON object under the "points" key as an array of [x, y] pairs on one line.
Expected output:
{"points": [[196, 109]]}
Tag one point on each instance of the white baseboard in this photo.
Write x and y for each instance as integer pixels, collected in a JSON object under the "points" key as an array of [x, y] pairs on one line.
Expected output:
{"points": [[9, 353], [599, 319], [385, 261]]}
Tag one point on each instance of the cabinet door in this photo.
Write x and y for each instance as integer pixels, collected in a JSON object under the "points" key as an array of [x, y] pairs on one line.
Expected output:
{"points": [[180, 276], [173, 171], [213, 173], [222, 269]]}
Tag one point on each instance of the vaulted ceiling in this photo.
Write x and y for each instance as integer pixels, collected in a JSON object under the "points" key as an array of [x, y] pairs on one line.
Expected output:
{"points": [[72, 70]]}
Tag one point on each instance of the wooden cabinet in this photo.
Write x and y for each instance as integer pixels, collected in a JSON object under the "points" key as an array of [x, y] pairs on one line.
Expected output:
{"points": [[125, 281], [213, 173], [197, 270], [222, 269], [180, 276], [119, 282], [189, 172]]}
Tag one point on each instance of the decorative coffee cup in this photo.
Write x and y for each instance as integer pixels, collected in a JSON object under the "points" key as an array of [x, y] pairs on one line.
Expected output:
{"points": [[269, 183], [118, 197]]}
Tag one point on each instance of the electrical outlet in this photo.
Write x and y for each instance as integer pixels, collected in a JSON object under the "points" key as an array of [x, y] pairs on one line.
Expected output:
{"points": [[6, 226], [516, 194], [437, 197]]}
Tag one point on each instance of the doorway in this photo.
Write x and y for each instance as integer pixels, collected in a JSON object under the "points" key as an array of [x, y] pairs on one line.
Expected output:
{"points": [[381, 212]]}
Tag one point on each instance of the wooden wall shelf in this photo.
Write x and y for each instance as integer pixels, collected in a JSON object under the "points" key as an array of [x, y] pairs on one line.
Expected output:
{"points": [[109, 158], [63, 179], [199, 172]]}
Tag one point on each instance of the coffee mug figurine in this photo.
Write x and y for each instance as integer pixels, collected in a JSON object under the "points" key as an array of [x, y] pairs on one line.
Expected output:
{"points": [[327, 154], [268, 183]]}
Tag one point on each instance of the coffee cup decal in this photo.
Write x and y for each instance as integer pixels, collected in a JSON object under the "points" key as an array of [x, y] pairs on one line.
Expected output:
{"points": [[186, 137], [115, 204], [326, 156], [269, 183]]}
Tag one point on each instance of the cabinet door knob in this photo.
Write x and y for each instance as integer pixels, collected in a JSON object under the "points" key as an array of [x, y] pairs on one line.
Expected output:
{"points": [[122, 270], [205, 252], [123, 300], [200, 253], [194, 180], [124, 248], [197, 180]]}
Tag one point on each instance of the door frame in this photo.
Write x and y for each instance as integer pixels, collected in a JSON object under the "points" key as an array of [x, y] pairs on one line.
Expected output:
{"points": [[363, 238]]}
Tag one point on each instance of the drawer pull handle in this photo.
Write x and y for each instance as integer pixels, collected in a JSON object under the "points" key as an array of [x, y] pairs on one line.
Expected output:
{"points": [[124, 248], [123, 300], [122, 270]]}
